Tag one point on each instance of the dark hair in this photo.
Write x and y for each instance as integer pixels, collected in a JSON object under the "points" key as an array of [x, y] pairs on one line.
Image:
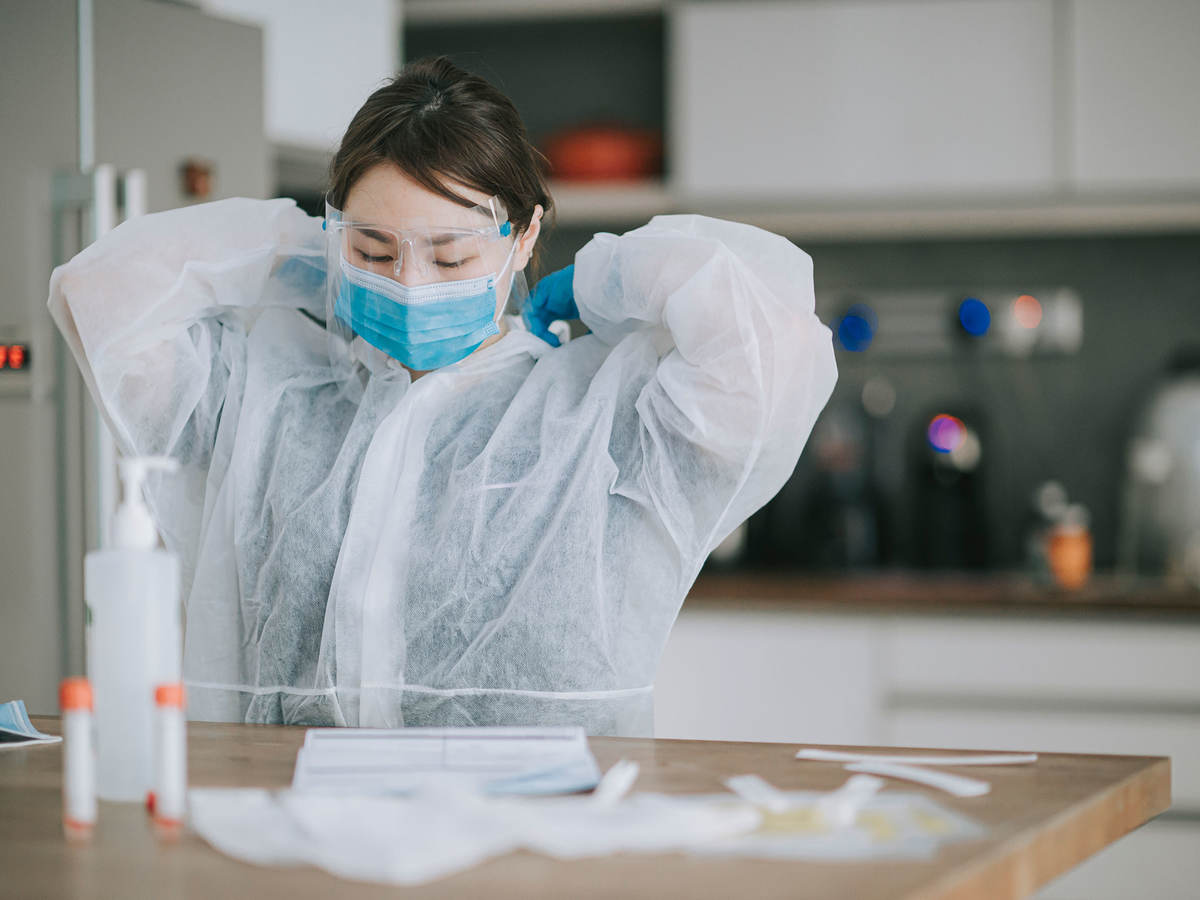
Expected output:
{"points": [[435, 120]]}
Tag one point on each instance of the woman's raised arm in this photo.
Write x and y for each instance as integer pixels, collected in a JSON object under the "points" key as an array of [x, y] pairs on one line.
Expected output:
{"points": [[744, 365], [149, 310]]}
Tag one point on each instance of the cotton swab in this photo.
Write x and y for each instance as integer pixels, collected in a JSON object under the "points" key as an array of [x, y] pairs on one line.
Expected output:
{"points": [[974, 759], [958, 785]]}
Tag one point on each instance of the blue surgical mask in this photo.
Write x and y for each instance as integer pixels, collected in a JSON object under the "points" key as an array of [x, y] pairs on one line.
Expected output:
{"points": [[426, 326], [15, 727]]}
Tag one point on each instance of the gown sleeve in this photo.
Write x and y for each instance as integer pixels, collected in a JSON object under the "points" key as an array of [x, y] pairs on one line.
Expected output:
{"points": [[155, 313], [743, 368]]}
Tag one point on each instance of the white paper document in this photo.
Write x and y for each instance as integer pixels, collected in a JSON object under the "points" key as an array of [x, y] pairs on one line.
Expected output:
{"points": [[405, 760]]}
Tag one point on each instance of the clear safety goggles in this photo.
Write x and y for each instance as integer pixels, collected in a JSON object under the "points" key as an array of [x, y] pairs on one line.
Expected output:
{"points": [[415, 252]]}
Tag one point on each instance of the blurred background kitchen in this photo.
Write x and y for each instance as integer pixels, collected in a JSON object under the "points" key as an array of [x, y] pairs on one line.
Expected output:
{"points": [[993, 537]]}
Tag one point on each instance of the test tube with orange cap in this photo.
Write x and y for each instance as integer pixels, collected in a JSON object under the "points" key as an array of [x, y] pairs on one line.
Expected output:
{"points": [[170, 757], [79, 758]]}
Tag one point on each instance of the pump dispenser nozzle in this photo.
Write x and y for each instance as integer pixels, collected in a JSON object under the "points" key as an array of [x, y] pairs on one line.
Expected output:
{"points": [[133, 527]]}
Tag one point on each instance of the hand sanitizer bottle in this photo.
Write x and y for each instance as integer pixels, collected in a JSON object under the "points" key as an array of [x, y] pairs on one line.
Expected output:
{"points": [[133, 637]]}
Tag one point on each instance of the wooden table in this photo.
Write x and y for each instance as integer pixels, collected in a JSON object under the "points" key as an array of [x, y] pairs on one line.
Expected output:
{"points": [[1043, 819]]}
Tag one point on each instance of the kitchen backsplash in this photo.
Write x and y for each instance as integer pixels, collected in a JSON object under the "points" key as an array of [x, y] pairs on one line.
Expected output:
{"points": [[1060, 416]]}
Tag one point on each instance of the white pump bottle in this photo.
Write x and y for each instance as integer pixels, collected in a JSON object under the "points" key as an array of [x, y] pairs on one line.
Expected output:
{"points": [[134, 636]]}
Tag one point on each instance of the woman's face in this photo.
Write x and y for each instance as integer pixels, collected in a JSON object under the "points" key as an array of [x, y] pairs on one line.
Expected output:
{"points": [[386, 196]]}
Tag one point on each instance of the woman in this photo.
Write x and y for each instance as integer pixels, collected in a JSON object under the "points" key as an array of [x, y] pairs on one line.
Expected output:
{"points": [[399, 506]]}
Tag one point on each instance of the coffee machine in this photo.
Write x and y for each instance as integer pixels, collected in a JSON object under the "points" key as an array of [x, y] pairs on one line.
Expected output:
{"points": [[1160, 527]]}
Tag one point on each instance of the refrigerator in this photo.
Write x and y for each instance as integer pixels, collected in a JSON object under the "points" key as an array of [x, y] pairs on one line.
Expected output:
{"points": [[108, 109]]}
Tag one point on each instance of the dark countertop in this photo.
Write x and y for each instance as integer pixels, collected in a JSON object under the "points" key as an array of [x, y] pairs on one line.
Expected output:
{"points": [[927, 593]]}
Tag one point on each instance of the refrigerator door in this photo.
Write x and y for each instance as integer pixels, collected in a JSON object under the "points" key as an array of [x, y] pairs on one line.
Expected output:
{"points": [[40, 110], [136, 85]]}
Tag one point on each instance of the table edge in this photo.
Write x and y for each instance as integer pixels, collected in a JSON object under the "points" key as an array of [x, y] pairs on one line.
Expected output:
{"points": [[1011, 870]]}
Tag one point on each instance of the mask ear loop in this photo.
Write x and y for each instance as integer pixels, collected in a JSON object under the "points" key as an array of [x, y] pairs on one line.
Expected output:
{"points": [[509, 307]]}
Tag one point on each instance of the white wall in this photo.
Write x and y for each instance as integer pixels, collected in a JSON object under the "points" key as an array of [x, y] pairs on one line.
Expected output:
{"points": [[322, 60]]}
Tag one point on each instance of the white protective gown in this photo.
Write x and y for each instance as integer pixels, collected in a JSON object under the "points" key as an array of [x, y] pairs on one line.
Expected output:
{"points": [[503, 541]]}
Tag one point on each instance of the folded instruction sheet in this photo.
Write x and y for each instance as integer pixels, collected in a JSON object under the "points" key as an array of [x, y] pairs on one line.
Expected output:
{"points": [[405, 760]]}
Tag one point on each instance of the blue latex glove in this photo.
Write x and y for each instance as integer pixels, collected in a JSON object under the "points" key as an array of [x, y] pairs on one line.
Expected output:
{"points": [[552, 299]]}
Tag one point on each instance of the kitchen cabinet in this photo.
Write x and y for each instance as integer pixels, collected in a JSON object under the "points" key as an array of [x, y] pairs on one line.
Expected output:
{"points": [[864, 98], [726, 675], [1156, 862], [1119, 661], [1135, 68], [321, 62], [1105, 687], [1124, 687], [863, 119], [1124, 684], [1062, 728]]}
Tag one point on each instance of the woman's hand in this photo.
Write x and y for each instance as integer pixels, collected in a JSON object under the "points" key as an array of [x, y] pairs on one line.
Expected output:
{"points": [[552, 299]]}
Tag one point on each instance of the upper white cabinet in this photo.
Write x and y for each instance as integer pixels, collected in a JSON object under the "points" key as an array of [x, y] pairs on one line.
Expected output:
{"points": [[876, 119], [1136, 94], [848, 98], [322, 61]]}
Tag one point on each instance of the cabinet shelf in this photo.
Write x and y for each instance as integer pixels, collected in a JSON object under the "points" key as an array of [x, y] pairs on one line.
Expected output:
{"points": [[632, 203], [1033, 219], [449, 12], [581, 205]]}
